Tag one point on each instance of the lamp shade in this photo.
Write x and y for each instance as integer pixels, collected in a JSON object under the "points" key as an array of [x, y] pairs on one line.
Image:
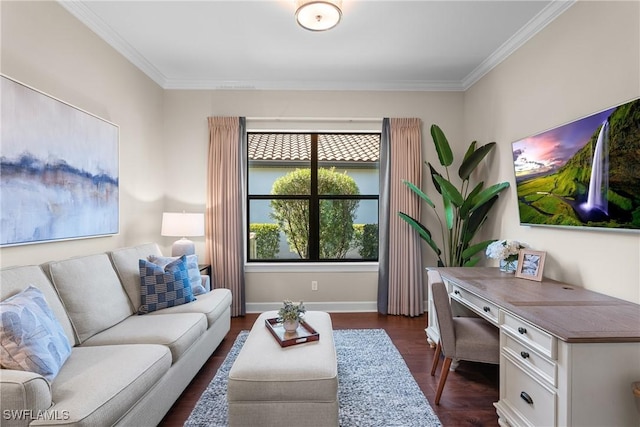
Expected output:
{"points": [[182, 224], [318, 15]]}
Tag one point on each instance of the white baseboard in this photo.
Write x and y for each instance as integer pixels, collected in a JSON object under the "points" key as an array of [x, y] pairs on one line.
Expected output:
{"points": [[329, 306]]}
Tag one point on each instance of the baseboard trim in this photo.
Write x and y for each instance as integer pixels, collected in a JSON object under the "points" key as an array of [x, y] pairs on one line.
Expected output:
{"points": [[330, 306]]}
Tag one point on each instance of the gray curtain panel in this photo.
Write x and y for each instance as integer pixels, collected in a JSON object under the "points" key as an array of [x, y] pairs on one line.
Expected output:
{"points": [[383, 220]]}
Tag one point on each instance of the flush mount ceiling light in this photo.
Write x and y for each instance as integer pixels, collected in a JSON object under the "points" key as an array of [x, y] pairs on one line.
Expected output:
{"points": [[315, 15]]}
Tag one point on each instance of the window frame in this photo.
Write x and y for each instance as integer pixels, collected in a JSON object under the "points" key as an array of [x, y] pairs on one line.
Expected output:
{"points": [[314, 203]]}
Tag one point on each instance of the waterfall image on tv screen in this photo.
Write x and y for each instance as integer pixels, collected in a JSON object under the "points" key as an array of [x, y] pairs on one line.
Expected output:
{"points": [[582, 174]]}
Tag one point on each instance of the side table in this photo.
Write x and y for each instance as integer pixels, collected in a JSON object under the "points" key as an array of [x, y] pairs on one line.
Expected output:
{"points": [[206, 270]]}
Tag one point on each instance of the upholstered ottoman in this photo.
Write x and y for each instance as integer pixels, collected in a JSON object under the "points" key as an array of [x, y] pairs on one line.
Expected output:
{"points": [[271, 385]]}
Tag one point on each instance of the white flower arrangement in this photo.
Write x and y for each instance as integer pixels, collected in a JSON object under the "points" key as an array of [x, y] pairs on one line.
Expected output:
{"points": [[506, 250]]}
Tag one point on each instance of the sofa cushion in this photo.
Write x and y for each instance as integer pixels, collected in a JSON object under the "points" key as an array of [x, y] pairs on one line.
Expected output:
{"points": [[15, 279], [99, 385], [177, 331], [125, 262], [162, 287], [192, 267], [31, 339], [212, 304], [91, 292]]}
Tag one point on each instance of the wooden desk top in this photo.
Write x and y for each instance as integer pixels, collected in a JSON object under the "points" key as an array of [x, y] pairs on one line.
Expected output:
{"points": [[571, 313]]}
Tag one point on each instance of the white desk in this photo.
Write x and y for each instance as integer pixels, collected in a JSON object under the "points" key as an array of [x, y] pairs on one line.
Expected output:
{"points": [[568, 356]]}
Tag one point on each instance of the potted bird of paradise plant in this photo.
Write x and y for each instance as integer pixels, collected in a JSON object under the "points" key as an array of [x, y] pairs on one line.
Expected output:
{"points": [[465, 208]]}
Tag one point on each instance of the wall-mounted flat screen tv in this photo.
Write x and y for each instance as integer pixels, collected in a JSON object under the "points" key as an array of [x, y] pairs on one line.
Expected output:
{"points": [[583, 174]]}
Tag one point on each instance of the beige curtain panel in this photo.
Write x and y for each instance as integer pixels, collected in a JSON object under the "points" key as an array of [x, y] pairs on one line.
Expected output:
{"points": [[405, 255], [223, 216]]}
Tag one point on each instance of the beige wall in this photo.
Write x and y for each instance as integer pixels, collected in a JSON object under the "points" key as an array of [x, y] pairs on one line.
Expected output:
{"points": [[585, 61], [556, 77], [186, 129], [46, 48]]}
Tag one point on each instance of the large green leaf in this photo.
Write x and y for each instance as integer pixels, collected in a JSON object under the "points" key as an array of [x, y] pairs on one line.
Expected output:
{"points": [[474, 249], [477, 217], [469, 201], [471, 162], [470, 150], [419, 192], [485, 195], [442, 146], [424, 233], [449, 212], [435, 173], [449, 191], [471, 262]]}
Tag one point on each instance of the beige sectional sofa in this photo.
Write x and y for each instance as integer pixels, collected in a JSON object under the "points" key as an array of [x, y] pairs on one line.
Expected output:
{"points": [[124, 368]]}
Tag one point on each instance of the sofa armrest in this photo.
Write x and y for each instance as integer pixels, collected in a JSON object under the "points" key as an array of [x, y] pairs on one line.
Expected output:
{"points": [[24, 395], [206, 282]]}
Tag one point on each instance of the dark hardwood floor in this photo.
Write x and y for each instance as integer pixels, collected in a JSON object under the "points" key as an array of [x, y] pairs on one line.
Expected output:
{"points": [[468, 395]]}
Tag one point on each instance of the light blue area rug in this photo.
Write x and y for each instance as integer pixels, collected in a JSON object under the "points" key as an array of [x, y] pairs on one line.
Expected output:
{"points": [[375, 386]]}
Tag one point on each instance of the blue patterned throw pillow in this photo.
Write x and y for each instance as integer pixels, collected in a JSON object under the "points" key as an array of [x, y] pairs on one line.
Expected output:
{"points": [[31, 338], [164, 287], [192, 268]]}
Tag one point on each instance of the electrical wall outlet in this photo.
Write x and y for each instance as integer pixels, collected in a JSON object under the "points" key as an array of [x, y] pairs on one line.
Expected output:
{"points": [[314, 285]]}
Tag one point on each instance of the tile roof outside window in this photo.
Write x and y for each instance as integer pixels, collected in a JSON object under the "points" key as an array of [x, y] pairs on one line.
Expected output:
{"points": [[363, 148]]}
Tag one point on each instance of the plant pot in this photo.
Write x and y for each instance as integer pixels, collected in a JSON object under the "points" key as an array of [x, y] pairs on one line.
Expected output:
{"points": [[290, 326]]}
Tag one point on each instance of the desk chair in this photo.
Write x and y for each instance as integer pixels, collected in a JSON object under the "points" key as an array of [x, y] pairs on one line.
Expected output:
{"points": [[461, 338]]}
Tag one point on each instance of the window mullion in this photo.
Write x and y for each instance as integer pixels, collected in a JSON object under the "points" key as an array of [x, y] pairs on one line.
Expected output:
{"points": [[314, 203]]}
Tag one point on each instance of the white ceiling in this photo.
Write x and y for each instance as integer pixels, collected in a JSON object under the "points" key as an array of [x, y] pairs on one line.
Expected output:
{"points": [[378, 45]]}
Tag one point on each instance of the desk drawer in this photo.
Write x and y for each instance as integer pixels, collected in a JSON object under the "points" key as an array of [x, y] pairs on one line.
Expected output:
{"points": [[528, 397], [484, 308], [529, 335], [542, 366]]}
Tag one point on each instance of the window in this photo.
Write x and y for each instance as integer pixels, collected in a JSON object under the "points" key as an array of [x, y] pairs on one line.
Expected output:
{"points": [[313, 196]]}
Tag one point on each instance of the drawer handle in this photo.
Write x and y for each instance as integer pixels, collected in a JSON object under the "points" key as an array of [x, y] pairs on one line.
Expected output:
{"points": [[524, 354], [486, 309], [457, 292], [522, 330], [526, 398]]}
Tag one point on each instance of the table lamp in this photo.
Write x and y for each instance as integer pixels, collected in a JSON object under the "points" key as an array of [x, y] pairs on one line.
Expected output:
{"points": [[184, 225]]}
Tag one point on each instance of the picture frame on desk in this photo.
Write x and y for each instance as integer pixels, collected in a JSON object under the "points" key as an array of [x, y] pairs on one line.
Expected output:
{"points": [[530, 264]]}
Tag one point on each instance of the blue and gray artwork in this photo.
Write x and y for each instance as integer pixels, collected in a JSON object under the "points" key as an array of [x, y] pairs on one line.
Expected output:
{"points": [[58, 170]]}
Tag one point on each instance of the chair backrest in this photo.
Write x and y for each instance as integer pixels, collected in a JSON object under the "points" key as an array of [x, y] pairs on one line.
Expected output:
{"points": [[445, 318], [433, 277]]}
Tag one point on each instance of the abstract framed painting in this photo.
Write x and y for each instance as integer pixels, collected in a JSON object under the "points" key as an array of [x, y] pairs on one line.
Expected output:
{"points": [[59, 169]]}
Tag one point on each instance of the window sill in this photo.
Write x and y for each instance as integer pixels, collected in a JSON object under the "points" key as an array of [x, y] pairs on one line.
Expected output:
{"points": [[320, 267]]}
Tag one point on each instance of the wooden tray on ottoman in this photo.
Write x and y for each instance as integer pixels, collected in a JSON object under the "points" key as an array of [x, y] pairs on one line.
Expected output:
{"points": [[305, 333]]}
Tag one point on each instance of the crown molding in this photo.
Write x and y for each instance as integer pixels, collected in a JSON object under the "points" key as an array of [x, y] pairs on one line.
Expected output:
{"points": [[399, 86], [533, 27], [105, 32]]}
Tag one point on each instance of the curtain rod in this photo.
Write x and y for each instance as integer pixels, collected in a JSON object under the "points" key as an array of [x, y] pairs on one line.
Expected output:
{"points": [[315, 119]]}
